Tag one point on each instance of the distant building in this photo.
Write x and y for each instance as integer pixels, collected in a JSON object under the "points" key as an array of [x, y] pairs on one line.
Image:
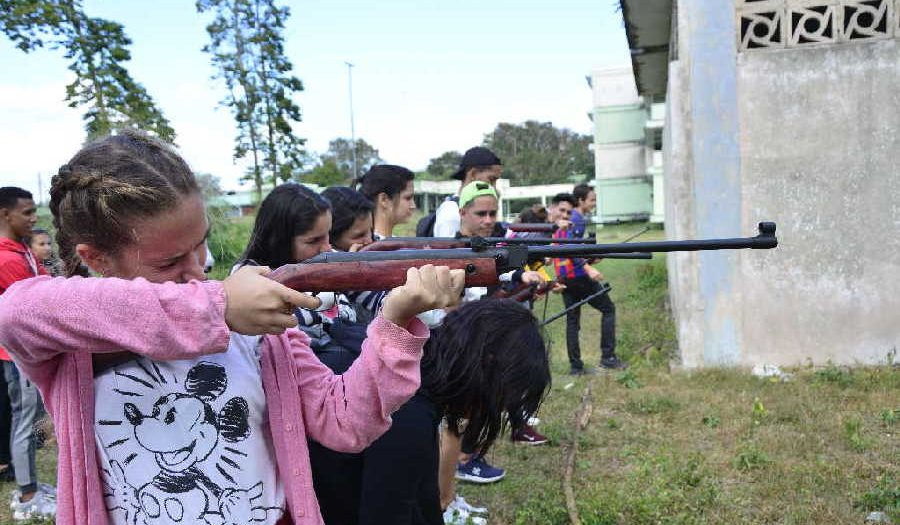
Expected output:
{"points": [[627, 149], [784, 110]]}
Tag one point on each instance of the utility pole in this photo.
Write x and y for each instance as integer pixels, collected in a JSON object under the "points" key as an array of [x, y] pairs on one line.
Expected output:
{"points": [[40, 190], [352, 126]]}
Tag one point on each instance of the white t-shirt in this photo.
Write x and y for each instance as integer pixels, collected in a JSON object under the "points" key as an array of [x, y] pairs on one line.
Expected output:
{"points": [[446, 219], [187, 441]]}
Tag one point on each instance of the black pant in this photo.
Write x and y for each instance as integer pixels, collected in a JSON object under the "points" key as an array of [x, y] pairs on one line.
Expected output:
{"points": [[576, 290], [394, 481]]}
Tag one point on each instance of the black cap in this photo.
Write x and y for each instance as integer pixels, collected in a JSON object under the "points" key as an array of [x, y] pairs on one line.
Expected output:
{"points": [[475, 158]]}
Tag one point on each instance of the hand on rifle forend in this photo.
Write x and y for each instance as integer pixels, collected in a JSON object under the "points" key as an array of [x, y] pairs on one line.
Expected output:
{"points": [[532, 277], [427, 288], [593, 273], [256, 305]]}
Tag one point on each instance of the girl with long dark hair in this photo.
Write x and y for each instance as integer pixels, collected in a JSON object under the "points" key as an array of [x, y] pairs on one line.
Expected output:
{"points": [[487, 360]]}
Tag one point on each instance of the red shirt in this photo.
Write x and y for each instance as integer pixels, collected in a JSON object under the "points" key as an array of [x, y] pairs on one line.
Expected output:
{"points": [[16, 263]]}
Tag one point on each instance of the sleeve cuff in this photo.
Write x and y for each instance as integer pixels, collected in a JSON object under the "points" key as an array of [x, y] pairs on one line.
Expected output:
{"points": [[408, 340]]}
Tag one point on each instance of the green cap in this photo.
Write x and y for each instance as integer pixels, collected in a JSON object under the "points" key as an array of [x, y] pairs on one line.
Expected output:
{"points": [[473, 190]]}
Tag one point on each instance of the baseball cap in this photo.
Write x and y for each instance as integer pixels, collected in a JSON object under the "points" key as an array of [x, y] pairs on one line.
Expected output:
{"points": [[473, 190], [474, 158]]}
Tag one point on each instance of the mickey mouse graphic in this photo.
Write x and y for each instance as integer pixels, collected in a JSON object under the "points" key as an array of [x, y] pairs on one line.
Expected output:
{"points": [[181, 431]]}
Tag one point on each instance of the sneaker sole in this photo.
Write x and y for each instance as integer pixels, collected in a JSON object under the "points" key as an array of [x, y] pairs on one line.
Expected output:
{"points": [[479, 480], [530, 443]]}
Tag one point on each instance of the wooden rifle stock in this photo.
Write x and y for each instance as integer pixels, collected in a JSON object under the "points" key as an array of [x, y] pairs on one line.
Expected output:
{"points": [[345, 272]]}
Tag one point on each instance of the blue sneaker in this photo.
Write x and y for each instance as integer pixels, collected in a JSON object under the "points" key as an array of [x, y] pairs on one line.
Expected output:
{"points": [[477, 470]]}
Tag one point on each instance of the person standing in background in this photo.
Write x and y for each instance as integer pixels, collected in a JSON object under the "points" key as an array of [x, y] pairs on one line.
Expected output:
{"points": [[18, 215]]}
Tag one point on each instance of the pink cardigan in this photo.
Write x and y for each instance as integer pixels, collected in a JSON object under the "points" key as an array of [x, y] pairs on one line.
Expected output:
{"points": [[52, 326]]}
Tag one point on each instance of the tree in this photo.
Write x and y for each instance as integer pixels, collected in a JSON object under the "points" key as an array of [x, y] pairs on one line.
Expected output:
{"points": [[443, 166], [340, 151], [210, 185], [247, 50], [326, 174], [539, 153], [98, 48]]}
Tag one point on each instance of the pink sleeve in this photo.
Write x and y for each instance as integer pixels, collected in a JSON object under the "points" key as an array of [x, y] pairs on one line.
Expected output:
{"points": [[348, 412], [44, 317]]}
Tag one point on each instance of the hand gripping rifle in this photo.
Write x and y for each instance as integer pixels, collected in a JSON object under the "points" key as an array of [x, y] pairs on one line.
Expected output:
{"points": [[342, 272]]}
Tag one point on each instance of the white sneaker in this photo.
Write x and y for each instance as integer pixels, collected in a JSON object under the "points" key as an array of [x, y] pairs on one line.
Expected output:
{"points": [[456, 516], [40, 506], [460, 503], [48, 490]]}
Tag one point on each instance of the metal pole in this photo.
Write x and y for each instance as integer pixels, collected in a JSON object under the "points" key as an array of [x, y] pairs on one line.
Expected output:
{"points": [[352, 125]]}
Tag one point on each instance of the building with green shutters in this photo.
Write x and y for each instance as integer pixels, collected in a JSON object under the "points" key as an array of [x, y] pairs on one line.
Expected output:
{"points": [[627, 149]]}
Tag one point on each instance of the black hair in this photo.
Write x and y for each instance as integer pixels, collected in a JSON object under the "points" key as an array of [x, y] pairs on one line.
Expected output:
{"points": [[531, 216], [384, 178], [290, 210], [581, 192], [487, 360], [10, 195], [35, 232], [347, 205], [563, 197]]}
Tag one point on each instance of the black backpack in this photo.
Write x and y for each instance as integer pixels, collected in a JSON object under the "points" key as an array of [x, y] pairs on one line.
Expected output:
{"points": [[425, 226]]}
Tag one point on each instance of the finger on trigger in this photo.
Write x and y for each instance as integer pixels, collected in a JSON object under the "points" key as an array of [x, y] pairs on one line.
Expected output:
{"points": [[299, 299], [457, 280]]}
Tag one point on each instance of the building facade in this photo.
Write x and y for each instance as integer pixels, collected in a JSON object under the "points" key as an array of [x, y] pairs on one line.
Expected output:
{"points": [[627, 149], [789, 111]]}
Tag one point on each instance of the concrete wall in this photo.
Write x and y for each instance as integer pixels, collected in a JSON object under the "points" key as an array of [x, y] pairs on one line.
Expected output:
{"points": [[820, 148], [807, 137]]}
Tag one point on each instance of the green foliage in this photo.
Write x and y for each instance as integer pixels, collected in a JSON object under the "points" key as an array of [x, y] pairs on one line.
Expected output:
{"points": [[650, 405], [247, 49], [340, 152], [539, 153], [750, 457], [326, 174], [711, 421], [759, 413], [444, 165], [228, 237], [628, 379], [890, 416], [833, 374], [98, 50], [884, 497], [853, 434]]}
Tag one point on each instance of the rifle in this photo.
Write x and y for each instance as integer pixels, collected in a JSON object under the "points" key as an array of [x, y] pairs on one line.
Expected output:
{"points": [[342, 272], [604, 289], [541, 227], [443, 243]]}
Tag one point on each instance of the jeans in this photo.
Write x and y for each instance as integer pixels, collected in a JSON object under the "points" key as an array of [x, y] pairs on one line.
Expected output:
{"points": [[576, 290], [26, 405]]}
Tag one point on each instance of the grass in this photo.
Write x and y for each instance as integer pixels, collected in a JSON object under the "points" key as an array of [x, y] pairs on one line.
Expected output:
{"points": [[690, 447]]}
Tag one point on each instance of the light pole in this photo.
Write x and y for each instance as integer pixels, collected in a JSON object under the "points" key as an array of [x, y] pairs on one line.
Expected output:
{"points": [[352, 126]]}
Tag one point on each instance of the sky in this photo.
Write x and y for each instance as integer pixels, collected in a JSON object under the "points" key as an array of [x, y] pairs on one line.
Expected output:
{"points": [[429, 76]]}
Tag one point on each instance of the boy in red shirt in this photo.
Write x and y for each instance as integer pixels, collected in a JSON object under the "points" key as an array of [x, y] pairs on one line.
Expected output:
{"points": [[18, 216]]}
